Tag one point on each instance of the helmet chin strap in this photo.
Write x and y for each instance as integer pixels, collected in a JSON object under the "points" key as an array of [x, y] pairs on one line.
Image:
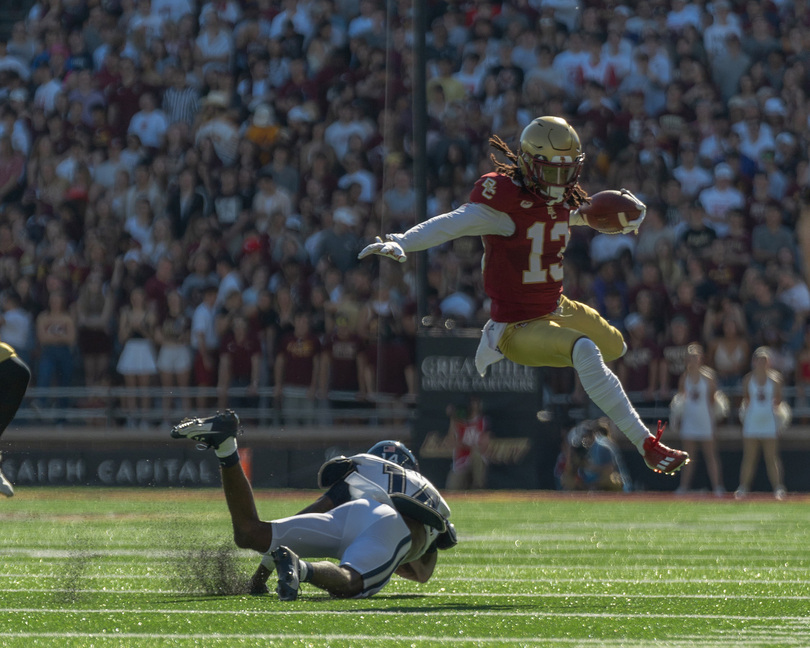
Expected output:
{"points": [[555, 195], [552, 195]]}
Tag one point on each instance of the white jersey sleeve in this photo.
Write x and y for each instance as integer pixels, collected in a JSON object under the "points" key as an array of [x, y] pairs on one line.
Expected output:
{"points": [[471, 219]]}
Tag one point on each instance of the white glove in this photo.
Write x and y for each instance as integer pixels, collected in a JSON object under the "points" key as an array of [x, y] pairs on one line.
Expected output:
{"points": [[633, 225], [389, 248]]}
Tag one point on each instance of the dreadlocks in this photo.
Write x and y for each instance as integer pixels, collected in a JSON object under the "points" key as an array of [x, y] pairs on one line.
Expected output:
{"points": [[510, 170], [576, 196]]}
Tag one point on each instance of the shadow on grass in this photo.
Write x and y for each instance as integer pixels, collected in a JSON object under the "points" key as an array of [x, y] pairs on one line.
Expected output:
{"points": [[400, 603]]}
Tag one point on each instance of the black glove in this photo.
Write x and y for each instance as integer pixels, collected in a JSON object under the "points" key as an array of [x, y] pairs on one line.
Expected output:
{"points": [[448, 539]]}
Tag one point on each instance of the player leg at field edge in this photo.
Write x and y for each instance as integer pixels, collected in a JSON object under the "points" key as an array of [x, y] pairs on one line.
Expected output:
{"points": [[249, 531], [14, 377]]}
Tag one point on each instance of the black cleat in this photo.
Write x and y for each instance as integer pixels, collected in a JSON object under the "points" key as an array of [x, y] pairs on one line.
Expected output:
{"points": [[287, 569], [210, 431]]}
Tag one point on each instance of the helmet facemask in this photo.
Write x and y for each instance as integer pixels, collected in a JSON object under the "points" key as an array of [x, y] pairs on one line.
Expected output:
{"points": [[550, 158], [550, 179]]}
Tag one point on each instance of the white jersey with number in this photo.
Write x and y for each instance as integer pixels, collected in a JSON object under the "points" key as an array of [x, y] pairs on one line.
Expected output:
{"points": [[401, 484], [409, 492]]}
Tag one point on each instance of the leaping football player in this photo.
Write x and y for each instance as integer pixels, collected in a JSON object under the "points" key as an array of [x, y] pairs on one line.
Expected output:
{"points": [[523, 211], [380, 517]]}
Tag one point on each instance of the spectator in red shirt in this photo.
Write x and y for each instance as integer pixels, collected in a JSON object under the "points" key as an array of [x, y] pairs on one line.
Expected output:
{"points": [[673, 356], [123, 97], [638, 368], [159, 285], [239, 359], [342, 364], [297, 371], [390, 361]]}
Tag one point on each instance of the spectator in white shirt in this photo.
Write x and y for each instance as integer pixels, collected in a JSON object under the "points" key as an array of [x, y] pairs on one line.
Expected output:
{"points": [[719, 199], [228, 11], [229, 279], [692, 178], [660, 69], [363, 23], [172, 10], [48, 88], [214, 45], [724, 23], [104, 172], [683, 14], [356, 174], [149, 123], [755, 135], [470, 74], [337, 134], [270, 198], [296, 13], [219, 128], [794, 292], [145, 22], [568, 64], [618, 52], [204, 342]]}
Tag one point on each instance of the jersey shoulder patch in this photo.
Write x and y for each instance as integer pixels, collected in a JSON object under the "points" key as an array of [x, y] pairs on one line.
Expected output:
{"points": [[499, 192], [334, 470]]}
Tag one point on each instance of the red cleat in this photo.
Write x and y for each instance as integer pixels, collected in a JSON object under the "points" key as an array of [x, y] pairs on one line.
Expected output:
{"points": [[662, 459]]}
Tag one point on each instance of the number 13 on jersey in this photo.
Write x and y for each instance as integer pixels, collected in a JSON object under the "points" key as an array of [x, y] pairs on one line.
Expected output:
{"points": [[537, 234]]}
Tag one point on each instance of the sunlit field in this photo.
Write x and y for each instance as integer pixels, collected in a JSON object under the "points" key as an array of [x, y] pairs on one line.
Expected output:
{"points": [[92, 567]]}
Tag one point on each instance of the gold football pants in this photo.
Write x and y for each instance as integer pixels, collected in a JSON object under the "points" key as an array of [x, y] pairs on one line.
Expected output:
{"points": [[549, 341]]}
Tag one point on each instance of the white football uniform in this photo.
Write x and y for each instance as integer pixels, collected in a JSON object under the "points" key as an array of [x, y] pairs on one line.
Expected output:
{"points": [[366, 535], [368, 532]]}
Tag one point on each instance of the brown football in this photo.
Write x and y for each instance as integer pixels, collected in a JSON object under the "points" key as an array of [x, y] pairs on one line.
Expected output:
{"points": [[611, 211]]}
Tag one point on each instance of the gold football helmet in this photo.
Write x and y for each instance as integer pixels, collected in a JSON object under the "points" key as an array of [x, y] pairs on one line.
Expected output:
{"points": [[550, 158]]}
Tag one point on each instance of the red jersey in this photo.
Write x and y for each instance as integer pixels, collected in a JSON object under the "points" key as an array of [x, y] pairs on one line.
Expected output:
{"points": [[300, 354], [469, 434], [241, 354], [523, 272], [343, 366]]}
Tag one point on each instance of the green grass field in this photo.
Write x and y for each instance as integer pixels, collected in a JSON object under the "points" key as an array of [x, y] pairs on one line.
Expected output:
{"points": [[86, 567]]}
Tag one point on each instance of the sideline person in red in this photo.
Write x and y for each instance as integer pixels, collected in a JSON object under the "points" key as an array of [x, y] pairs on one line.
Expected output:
{"points": [[468, 434]]}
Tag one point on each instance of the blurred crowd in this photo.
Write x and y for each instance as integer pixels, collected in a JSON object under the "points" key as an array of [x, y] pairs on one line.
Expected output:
{"points": [[184, 187]]}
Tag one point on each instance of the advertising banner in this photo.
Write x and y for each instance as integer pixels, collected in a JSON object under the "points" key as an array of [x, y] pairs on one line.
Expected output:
{"points": [[496, 425]]}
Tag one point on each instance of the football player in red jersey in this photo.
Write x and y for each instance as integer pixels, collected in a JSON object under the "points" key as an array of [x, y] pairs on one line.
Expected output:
{"points": [[523, 211]]}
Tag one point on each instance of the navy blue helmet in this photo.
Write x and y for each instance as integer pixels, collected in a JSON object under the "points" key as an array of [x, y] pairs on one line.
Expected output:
{"points": [[395, 451]]}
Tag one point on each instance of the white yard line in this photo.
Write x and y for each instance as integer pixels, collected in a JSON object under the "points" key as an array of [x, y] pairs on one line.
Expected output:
{"points": [[457, 556], [549, 595], [750, 570], [439, 578], [431, 640], [802, 620]]}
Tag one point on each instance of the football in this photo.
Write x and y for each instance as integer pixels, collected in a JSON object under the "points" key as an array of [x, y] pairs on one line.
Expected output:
{"points": [[613, 212]]}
